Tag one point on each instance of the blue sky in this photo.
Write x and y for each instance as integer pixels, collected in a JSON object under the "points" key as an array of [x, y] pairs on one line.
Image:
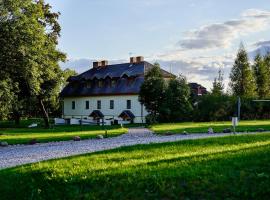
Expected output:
{"points": [[194, 37]]}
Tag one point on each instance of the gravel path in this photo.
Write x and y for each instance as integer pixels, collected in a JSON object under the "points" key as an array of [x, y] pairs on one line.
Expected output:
{"points": [[21, 154]]}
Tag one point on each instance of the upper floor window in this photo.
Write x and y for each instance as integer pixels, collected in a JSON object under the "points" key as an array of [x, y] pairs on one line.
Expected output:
{"points": [[87, 105], [73, 105], [88, 84], [128, 104], [98, 104], [111, 104], [100, 83], [113, 83], [130, 81]]}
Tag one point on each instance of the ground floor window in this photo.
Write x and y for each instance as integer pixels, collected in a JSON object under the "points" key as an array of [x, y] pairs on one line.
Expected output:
{"points": [[111, 104], [98, 104], [73, 105], [87, 105], [128, 104]]}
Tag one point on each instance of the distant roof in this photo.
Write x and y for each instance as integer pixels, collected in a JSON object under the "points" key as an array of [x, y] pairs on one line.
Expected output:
{"points": [[196, 85], [119, 72]]}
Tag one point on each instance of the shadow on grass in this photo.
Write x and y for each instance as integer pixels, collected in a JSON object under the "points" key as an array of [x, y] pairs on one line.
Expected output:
{"points": [[242, 174]]}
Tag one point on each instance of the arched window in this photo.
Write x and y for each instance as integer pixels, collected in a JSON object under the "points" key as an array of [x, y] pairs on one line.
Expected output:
{"points": [[100, 83], [88, 84], [113, 83]]}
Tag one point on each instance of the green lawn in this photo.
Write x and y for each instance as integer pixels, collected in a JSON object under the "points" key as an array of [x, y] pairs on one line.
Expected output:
{"points": [[233, 167], [58, 133], [202, 127]]}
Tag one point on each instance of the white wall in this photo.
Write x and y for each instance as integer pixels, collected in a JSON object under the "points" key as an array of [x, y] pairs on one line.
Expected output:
{"points": [[120, 104]]}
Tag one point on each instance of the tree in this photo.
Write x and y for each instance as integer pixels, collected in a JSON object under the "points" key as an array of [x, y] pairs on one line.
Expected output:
{"points": [[152, 91], [177, 99], [242, 79], [261, 74], [218, 85], [29, 34], [7, 97]]}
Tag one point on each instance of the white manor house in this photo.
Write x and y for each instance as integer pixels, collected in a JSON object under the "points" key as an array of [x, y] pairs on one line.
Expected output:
{"points": [[107, 93]]}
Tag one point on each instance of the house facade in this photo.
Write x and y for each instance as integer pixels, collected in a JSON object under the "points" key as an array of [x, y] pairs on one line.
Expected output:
{"points": [[108, 93]]}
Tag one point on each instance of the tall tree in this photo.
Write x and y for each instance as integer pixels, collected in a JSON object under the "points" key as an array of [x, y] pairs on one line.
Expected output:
{"points": [[218, 85], [242, 79], [29, 34], [178, 99], [261, 77], [152, 91]]}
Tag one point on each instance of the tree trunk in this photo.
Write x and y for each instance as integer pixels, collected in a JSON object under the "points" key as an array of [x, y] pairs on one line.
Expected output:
{"points": [[44, 113], [17, 117]]}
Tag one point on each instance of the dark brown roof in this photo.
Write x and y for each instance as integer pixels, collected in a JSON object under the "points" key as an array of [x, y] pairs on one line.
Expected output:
{"points": [[129, 78]]}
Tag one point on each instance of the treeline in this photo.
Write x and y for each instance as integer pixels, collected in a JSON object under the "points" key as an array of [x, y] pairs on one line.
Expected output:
{"points": [[172, 101]]}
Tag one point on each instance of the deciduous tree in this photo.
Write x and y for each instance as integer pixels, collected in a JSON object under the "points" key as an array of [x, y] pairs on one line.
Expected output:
{"points": [[152, 91], [29, 34]]}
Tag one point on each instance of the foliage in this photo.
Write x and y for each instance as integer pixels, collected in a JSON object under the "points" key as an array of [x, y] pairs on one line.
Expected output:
{"points": [[202, 127], [262, 75], [7, 97], [242, 79], [212, 107], [152, 91], [29, 34], [218, 85], [177, 106], [235, 167]]}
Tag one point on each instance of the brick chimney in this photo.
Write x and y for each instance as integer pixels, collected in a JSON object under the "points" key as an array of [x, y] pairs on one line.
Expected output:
{"points": [[137, 59], [132, 60], [102, 63], [96, 64]]}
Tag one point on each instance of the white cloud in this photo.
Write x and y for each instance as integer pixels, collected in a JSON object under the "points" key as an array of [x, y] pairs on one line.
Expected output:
{"points": [[221, 35], [202, 52]]}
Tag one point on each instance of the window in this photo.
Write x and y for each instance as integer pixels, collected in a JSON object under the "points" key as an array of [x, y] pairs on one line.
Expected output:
{"points": [[87, 105], [113, 83], [128, 104], [130, 81], [98, 104], [100, 83], [88, 84], [73, 105], [111, 104]]}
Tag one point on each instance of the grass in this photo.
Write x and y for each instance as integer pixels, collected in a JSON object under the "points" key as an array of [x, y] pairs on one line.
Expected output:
{"points": [[202, 127], [233, 167], [58, 133]]}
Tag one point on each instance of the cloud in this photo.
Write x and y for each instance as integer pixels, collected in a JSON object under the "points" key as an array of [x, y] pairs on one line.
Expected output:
{"points": [[256, 13], [221, 35], [262, 43]]}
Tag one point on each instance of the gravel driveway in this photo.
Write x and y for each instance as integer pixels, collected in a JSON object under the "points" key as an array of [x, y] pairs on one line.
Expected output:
{"points": [[21, 154]]}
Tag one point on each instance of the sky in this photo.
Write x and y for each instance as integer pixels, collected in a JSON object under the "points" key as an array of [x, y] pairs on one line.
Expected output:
{"points": [[190, 37]]}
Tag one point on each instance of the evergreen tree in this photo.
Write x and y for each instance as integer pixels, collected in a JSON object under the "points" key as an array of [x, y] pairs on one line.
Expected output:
{"points": [[242, 79], [152, 92], [261, 74], [218, 85]]}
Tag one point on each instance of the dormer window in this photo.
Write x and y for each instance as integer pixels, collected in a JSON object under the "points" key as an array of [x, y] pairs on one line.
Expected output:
{"points": [[100, 83], [88, 84], [113, 83], [130, 81]]}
